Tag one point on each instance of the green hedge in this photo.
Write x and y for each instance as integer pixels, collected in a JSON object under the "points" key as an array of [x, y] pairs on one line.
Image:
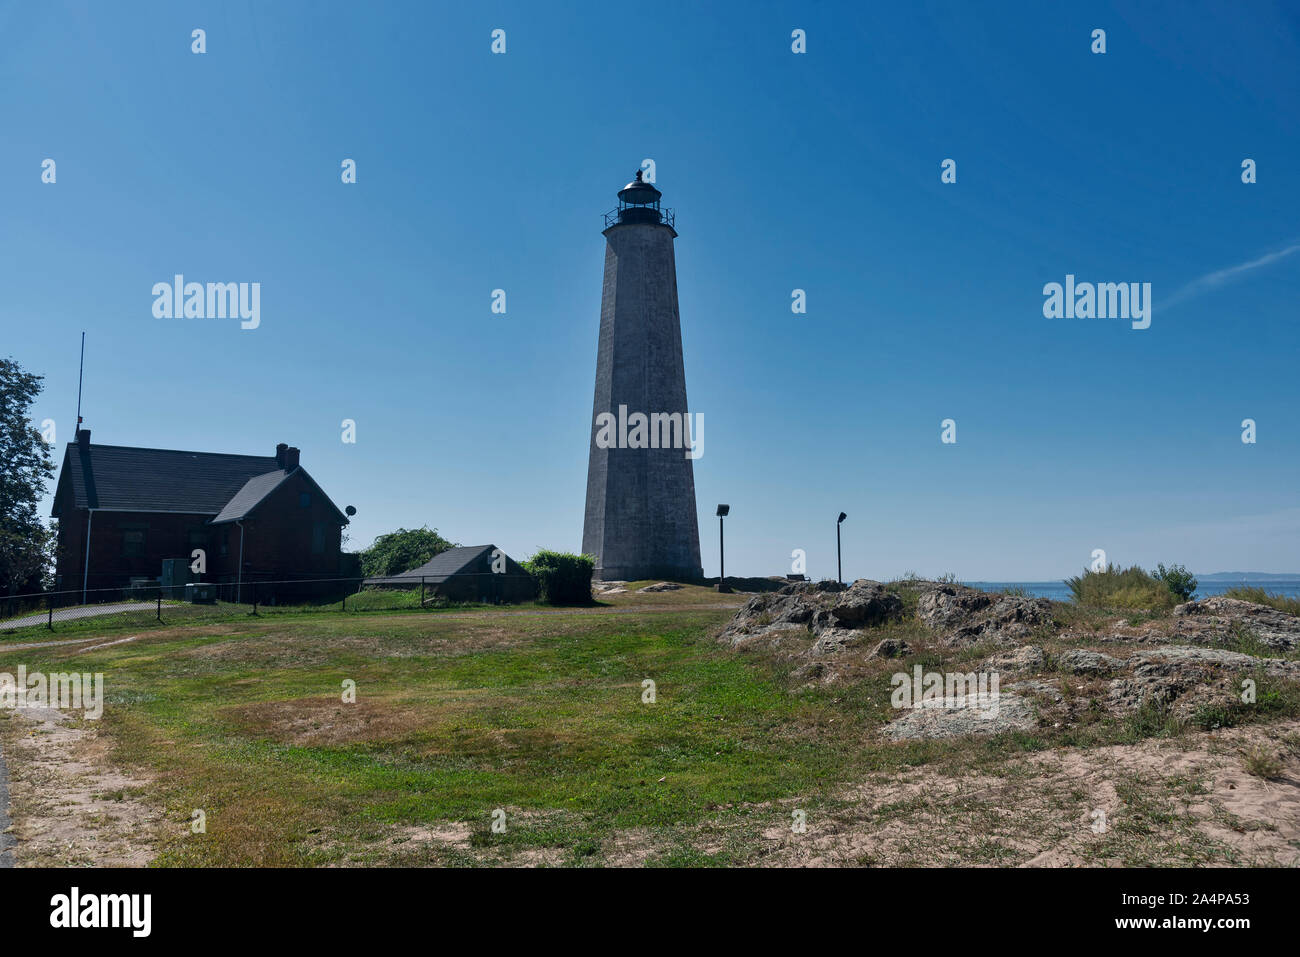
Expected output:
{"points": [[562, 577]]}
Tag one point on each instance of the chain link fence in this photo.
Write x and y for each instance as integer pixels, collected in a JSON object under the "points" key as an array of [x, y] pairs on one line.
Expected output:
{"points": [[152, 604]]}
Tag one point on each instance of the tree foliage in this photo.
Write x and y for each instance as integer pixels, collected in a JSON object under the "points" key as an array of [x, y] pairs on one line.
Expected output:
{"points": [[402, 550], [24, 541], [1178, 580]]}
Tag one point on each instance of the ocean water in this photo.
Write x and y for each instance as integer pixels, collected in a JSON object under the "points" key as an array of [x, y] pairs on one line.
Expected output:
{"points": [[1059, 591]]}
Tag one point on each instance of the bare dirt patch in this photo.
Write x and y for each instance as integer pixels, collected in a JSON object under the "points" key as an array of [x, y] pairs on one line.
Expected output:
{"points": [[1180, 802], [71, 806], [314, 722]]}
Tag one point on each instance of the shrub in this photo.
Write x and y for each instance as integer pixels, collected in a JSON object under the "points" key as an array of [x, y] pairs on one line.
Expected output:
{"points": [[1260, 597], [562, 577], [1117, 587], [1177, 579], [402, 550], [1263, 762]]}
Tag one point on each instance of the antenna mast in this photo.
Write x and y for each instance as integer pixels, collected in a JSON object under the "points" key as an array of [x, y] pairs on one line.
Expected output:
{"points": [[80, 373]]}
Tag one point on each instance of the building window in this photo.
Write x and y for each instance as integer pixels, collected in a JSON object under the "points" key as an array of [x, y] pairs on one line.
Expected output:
{"points": [[304, 499], [132, 543], [318, 538]]}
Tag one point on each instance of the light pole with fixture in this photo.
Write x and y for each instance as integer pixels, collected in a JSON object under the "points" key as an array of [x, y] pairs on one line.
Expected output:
{"points": [[839, 567], [722, 560]]}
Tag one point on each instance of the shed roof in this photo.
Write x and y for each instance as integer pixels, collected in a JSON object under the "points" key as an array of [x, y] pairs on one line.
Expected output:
{"points": [[462, 560]]}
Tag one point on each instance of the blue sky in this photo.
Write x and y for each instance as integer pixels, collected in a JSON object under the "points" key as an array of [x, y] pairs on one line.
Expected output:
{"points": [[818, 171]]}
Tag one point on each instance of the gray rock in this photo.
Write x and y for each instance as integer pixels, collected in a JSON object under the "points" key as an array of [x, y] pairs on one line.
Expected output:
{"points": [[812, 671], [1027, 658], [1077, 661], [1218, 619], [891, 648], [1047, 689], [1010, 713], [823, 608], [835, 639], [865, 605], [1184, 678], [661, 586], [966, 616]]}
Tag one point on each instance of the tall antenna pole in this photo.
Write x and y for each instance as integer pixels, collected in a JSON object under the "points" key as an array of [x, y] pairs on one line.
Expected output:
{"points": [[80, 373]]}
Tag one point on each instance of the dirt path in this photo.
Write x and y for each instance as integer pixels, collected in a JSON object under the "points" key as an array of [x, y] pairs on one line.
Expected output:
{"points": [[70, 806], [68, 614], [7, 840]]}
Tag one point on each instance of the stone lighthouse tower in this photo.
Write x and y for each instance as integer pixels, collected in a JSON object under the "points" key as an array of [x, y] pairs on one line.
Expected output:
{"points": [[640, 519]]}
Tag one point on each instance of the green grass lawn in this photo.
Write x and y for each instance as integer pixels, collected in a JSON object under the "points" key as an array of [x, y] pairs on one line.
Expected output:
{"points": [[456, 716], [537, 712]]}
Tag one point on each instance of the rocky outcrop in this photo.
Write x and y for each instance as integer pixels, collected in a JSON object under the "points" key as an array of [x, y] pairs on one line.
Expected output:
{"points": [[1077, 661], [1218, 620], [1026, 658], [967, 616], [891, 648], [1183, 678], [953, 717], [660, 586], [833, 614]]}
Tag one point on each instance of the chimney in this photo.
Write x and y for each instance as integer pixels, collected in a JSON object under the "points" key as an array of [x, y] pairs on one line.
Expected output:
{"points": [[83, 439], [290, 459], [279, 454]]}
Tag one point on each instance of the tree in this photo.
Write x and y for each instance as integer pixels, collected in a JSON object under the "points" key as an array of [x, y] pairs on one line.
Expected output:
{"points": [[24, 541], [1177, 579], [402, 550]]}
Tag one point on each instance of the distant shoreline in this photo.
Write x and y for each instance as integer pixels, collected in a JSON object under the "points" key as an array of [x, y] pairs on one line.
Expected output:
{"points": [[1206, 586]]}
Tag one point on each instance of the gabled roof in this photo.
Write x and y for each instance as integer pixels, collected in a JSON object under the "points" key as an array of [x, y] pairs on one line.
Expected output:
{"points": [[156, 480], [124, 479], [252, 493], [463, 560], [260, 487]]}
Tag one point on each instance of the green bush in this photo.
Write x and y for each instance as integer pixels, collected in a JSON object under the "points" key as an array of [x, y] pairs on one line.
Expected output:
{"points": [[401, 551], [1117, 587], [1177, 579], [1260, 597], [562, 577]]}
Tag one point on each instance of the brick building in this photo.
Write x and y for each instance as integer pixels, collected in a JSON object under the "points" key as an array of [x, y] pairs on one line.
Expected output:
{"points": [[122, 511]]}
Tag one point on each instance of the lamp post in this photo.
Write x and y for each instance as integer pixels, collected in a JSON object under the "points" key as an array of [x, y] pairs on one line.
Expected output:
{"points": [[839, 566], [722, 559]]}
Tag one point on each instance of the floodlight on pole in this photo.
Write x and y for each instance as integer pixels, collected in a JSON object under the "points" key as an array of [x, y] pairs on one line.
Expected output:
{"points": [[839, 566], [723, 510]]}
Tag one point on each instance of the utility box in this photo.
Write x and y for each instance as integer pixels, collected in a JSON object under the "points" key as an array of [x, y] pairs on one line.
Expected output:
{"points": [[176, 575], [201, 593]]}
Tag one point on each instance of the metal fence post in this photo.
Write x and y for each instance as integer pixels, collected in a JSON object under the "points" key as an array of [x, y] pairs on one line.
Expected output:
{"points": [[421, 591], [160, 604], [50, 623]]}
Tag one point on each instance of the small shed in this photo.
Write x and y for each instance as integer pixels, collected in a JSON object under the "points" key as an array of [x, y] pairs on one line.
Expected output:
{"points": [[477, 573]]}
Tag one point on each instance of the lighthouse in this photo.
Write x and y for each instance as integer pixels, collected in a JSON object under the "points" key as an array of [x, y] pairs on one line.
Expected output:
{"points": [[640, 519]]}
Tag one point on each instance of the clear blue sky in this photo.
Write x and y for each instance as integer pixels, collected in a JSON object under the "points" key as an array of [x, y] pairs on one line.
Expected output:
{"points": [[817, 171]]}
